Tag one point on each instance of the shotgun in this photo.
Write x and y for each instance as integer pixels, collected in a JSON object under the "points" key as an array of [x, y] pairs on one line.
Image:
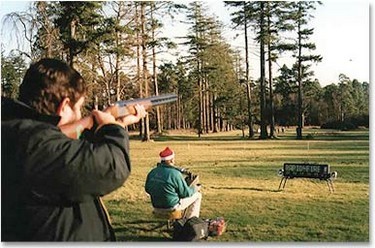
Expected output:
{"points": [[118, 109]]}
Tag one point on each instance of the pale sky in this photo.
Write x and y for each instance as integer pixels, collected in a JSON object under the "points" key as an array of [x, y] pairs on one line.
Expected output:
{"points": [[341, 34]]}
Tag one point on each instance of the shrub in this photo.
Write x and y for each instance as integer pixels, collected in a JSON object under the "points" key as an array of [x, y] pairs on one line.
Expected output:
{"points": [[349, 124]]}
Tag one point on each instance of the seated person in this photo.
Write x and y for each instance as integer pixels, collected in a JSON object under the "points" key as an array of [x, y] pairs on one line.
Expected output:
{"points": [[168, 189]]}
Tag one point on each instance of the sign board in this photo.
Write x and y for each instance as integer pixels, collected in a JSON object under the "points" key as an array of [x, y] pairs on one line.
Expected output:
{"points": [[320, 171]]}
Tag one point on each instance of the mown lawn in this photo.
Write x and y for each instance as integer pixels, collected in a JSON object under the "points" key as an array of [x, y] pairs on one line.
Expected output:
{"points": [[240, 183]]}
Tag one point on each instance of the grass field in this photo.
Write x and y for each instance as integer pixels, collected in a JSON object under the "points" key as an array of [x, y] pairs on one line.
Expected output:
{"points": [[240, 183]]}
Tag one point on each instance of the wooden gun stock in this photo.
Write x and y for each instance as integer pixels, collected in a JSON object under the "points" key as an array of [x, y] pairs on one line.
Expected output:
{"points": [[118, 109]]}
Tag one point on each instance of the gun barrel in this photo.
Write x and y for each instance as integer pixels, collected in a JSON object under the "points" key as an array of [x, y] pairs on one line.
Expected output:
{"points": [[119, 109], [152, 101]]}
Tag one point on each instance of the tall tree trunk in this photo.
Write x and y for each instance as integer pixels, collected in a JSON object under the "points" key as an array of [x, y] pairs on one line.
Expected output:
{"points": [[299, 79], [272, 117], [146, 136], [179, 111], [155, 76], [263, 126], [200, 110], [141, 123], [73, 25], [215, 114], [241, 118], [117, 70], [205, 110], [206, 106], [200, 101], [211, 103], [248, 85]]}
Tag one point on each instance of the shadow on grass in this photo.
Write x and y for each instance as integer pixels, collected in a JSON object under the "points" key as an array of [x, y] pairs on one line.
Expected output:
{"points": [[323, 137], [143, 238], [245, 188], [190, 138], [146, 225], [143, 230]]}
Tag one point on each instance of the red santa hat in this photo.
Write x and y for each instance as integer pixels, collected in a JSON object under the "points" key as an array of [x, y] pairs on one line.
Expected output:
{"points": [[166, 154]]}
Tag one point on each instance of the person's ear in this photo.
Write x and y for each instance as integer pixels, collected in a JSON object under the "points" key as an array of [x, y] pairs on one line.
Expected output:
{"points": [[63, 106]]}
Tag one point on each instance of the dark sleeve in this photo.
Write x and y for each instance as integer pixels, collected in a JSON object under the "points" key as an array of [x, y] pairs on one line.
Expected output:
{"points": [[75, 168], [148, 185]]}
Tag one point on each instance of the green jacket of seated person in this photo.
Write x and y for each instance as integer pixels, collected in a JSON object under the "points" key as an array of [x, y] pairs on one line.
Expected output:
{"points": [[166, 186]]}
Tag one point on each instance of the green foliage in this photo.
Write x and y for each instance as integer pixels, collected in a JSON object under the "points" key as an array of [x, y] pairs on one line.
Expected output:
{"points": [[352, 123], [210, 64], [76, 21], [13, 68], [341, 103], [47, 43]]}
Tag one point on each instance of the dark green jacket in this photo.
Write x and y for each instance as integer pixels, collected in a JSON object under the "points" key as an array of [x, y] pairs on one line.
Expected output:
{"points": [[166, 185], [50, 184]]}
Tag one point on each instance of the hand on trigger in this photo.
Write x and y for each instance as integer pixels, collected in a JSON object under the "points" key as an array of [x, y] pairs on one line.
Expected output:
{"points": [[103, 118]]}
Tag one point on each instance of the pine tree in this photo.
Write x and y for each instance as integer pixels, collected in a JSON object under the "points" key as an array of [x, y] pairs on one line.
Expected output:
{"points": [[242, 18], [13, 68], [300, 15], [75, 21]]}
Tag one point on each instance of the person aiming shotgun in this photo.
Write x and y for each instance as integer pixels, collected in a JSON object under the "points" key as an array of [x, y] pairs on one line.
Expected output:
{"points": [[51, 184]]}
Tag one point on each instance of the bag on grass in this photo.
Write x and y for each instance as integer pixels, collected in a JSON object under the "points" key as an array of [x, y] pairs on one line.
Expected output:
{"points": [[216, 227], [193, 229]]}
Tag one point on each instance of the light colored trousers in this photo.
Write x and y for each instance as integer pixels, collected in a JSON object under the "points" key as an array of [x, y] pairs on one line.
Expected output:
{"points": [[192, 203]]}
